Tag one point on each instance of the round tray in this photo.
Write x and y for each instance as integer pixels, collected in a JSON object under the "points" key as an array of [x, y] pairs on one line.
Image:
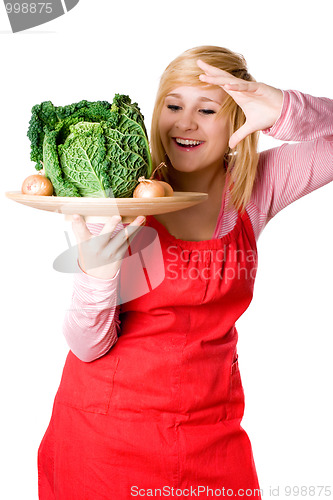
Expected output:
{"points": [[106, 207]]}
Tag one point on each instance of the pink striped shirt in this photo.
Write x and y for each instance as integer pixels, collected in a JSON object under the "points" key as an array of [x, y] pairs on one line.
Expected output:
{"points": [[285, 174]]}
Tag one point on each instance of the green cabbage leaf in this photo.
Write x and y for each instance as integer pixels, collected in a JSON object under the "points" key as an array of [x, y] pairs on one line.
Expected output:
{"points": [[93, 149]]}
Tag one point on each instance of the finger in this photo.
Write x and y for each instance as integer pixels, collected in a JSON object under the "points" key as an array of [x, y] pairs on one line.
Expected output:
{"points": [[139, 221], [216, 80], [230, 83], [119, 254], [111, 224], [108, 230], [239, 135], [80, 229], [241, 86], [118, 247], [212, 70], [125, 236], [133, 227]]}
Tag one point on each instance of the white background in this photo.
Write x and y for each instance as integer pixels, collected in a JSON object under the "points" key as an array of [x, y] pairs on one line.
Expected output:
{"points": [[285, 349]]}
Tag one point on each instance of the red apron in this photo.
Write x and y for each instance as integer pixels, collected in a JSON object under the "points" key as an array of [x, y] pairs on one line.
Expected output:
{"points": [[160, 413]]}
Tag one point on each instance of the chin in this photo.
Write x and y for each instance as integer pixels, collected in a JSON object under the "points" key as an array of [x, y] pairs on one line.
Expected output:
{"points": [[185, 167]]}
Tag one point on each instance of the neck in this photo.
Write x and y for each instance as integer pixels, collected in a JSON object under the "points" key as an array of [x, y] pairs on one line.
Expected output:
{"points": [[204, 182]]}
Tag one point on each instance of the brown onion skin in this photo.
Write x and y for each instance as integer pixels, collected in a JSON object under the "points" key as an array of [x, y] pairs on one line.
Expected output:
{"points": [[38, 185], [148, 189], [168, 191]]}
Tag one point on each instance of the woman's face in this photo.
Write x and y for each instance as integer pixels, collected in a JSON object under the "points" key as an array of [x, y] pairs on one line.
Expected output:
{"points": [[192, 136]]}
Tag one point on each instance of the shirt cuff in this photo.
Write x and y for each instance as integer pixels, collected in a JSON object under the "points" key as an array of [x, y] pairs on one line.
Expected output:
{"points": [[275, 129]]}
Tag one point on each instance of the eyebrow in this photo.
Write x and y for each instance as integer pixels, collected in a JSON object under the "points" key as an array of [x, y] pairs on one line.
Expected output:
{"points": [[203, 99]]}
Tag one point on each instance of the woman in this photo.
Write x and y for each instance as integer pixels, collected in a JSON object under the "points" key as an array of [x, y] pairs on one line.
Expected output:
{"points": [[151, 397]]}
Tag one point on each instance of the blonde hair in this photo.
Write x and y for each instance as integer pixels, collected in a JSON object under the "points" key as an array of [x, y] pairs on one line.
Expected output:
{"points": [[242, 161]]}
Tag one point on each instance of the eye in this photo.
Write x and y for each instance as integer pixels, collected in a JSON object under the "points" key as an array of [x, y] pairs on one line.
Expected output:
{"points": [[173, 107], [207, 111]]}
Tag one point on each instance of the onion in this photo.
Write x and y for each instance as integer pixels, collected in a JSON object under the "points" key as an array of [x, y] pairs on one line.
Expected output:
{"points": [[168, 191], [151, 188], [37, 184], [148, 189]]}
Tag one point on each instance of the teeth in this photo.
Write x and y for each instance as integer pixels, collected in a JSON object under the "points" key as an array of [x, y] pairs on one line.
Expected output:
{"points": [[187, 142]]}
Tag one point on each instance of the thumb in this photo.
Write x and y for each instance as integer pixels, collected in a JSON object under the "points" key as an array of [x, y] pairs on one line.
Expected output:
{"points": [[239, 135], [80, 229]]}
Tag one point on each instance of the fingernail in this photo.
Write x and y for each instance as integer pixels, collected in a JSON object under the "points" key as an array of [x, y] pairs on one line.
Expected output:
{"points": [[141, 219]]}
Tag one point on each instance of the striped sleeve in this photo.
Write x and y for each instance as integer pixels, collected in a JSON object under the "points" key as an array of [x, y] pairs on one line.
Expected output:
{"points": [[291, 171], [91, 323]]}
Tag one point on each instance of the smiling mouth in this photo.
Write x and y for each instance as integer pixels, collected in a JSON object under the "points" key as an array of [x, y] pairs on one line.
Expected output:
{"points": [[187, 143]]}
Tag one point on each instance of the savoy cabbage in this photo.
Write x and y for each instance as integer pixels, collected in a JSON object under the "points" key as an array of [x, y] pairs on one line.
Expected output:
{"points": [[94, 149]]}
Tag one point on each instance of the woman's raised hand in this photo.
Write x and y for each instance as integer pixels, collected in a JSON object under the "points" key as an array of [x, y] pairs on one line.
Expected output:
{"points": [[260, 103], [100, 256]]}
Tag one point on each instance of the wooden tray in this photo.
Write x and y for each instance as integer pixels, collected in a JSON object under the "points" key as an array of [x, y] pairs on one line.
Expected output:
{"points": [[91, 208]]}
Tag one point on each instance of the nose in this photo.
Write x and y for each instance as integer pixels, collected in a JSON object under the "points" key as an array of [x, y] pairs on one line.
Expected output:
{"points": [[186, 120]]}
